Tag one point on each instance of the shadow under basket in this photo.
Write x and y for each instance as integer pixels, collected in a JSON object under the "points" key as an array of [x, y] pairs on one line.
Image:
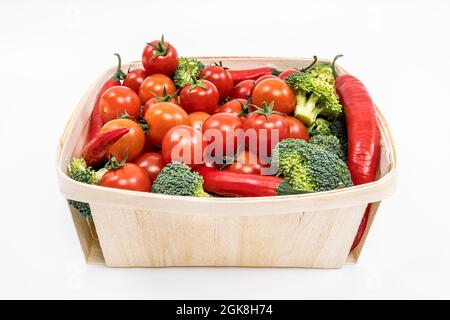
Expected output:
{"points": [[137, 229]]}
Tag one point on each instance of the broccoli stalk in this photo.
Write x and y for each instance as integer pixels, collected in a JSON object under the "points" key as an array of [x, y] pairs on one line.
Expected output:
{"points": [[177, 179], [187, 71], [308, 167], [314, 97]]}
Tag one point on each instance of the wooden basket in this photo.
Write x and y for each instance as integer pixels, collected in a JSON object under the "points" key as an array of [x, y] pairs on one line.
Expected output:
{"points": [[136, 229]]}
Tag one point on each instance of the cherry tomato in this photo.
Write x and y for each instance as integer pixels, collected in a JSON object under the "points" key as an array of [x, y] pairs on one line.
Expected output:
{"points": [[160, 57], [163, 116], [233, 106], [154, 85], [243, 89], [152, 163], [222, 126], [297, 129], [267, 76], [184, 144], [260, 129], [118, 100], [149, 146], [154, 100], [286, 73], [131, 144], [221, 78], [134, 79], [197, 119], [129, 177], [199, 96], [275, 90], [246, 162]]}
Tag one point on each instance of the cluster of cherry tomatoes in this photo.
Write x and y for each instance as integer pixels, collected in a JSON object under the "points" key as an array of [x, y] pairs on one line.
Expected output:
{"points": [[215, 100]]}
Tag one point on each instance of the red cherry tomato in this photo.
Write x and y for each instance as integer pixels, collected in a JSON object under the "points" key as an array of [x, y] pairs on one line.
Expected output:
{"points": [[243, 89], [267, 76], [260, 132], [221, 78], [220, 130], [277, 91], [197, 119], [184, 144], [134, 79], [286, 73], [116, 101], [297, 129], [160, 57], [130, 144], [163, 116], [200, 96], [246, 162], [152, 163], [129, 177], [233, 106], [155, 86], [154, 100]]}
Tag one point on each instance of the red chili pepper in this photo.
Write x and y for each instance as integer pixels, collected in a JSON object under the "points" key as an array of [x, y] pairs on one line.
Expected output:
{"points": [[95, 151], [252, 74], [363, 135], [233, 184], [96, 123]]}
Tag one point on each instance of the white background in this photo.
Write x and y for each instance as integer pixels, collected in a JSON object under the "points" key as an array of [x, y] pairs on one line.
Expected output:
{"points": [[50, 52]]}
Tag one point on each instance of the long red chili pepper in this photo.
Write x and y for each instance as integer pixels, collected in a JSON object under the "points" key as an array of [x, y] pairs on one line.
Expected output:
{"points": [[95, 151], [252, 74], [233, 184], [363, 135], [96, 123]]}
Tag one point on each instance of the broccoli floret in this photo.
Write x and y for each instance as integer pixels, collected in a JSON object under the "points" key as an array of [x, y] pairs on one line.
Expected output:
{"points": [[309, 167], [338, 128], [79, 171], [314, 97], [323, 71], [187, 71], [321, 126], [177, 179], [330, 143]]}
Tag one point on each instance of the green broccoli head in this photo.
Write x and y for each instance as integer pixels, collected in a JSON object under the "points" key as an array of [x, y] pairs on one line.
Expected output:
{"points": [[329, 143], [337, 128], [314, 97], [323, 71], [177, 179], [320, 126], [309, 167], [187, 71]]}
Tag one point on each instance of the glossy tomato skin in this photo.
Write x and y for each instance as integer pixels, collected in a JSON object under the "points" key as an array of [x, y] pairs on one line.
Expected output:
{"points": [[246, 163], [164, 64], [263, 128], [221, 78], [154, 86], [243, 89], [154, 100], [134, 79], [131, 143], [163, 116], [226, 124], [197, 119], [286, 73], [196, 98], [297, 130], [275, 90], [116, 101], [267, 76], [152, 163], [233, 106], [189, 144], [129, 177]]}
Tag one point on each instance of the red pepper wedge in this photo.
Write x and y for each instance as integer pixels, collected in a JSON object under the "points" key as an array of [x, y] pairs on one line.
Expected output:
{"points": [[96, 124], [363, 135], [252, 74], [96, 149], [233, 184]]}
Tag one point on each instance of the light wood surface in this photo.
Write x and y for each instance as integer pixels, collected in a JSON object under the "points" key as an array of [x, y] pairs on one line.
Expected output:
{"points": [[138, 229]]}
